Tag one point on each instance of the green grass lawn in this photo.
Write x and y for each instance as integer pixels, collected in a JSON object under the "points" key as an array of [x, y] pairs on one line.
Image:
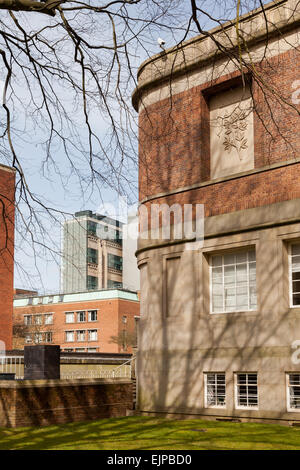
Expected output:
{"points": [[152, 433]]}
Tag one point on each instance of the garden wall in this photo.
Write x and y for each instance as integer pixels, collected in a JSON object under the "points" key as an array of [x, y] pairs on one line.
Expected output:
{"points": [[45, 402]]}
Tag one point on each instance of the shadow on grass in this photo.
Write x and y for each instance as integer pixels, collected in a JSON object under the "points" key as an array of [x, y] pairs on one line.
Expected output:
{"points": [[144, 433]]}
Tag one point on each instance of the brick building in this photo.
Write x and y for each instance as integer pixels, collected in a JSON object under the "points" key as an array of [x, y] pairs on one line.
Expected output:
{"points": [[98, 321], [219, 323], [7, 214]]}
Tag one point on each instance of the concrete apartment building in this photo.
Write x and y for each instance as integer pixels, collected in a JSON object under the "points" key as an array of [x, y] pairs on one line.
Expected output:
{"points": [[7, 214], [219, 324], [97, 321], [92, 253]]}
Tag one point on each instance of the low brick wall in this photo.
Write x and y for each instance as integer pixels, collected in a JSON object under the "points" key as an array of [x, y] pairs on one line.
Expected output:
{"points": [[45, 402]]}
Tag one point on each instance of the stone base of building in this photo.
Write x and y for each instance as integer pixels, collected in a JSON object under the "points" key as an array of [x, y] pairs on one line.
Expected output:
{"points": [[46, 402]]}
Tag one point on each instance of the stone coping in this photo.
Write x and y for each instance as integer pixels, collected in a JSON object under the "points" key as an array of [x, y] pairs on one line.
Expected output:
{"points": [[18, 384], [281, 15]]}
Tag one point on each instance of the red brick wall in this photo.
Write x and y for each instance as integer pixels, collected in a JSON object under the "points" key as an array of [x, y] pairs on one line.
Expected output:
{"points": [[41, 403], [108, 323], [174, 142], [7, 198]]}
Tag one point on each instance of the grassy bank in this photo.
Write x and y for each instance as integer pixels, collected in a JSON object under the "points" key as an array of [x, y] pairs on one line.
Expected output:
{"points": [[152, 433]]}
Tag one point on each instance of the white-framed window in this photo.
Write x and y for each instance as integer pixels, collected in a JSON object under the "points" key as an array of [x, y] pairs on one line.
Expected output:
{"points": [[28, 338], [93, 335], [246, 390], [215, 389], [38, 337], [28, 320], [80, 334], [124, 319], [69, 336], [293, 391], [92, 350], [48, 337], [48, 319], [233, 282], [92, 315], [38, 320], [81, 317], [69, 317], [294, 274]]}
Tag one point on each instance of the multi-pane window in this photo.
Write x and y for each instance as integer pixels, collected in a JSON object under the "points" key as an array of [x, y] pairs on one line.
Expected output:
{"points": [[69, 336], [246, 390], [92, 255], [233, 282], [92, 315], [80, 335], [92, 282], [215, 389], [93, 335], [293, 384], [48, 319], [38, 319], [92, 228], [69, 317], [38, 337], [115, 262], [114, 284], [48, 337], [81, 317], [28, 320], [295, 274]]}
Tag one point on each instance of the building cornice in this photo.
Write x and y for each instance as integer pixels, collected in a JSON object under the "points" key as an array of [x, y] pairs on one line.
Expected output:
{"points": [[281, 15]]}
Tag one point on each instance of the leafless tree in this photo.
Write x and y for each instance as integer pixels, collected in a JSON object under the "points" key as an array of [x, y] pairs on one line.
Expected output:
{"points": [[69, 68]]}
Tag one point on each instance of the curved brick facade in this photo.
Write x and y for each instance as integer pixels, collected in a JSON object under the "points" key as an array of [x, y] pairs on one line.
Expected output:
{"points": [[198, 318]]}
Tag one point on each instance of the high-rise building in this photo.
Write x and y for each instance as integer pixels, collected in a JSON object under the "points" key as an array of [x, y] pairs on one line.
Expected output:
{"points": [[92, 253], [131, 273]]}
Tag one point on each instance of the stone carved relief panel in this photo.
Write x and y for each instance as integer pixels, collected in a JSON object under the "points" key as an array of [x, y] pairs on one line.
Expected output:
{"points": [[231, 132]]}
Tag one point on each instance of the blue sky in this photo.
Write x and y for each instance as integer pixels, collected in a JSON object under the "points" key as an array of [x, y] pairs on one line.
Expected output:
{"points": [[56, 185]]}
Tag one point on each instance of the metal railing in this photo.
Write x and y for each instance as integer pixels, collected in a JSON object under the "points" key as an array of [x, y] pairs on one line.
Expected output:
{"points": [[122, 371], [12, 365], [15, 365]]}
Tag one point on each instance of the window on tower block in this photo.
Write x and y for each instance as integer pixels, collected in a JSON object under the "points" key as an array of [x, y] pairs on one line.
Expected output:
{"points": [[92, 282], [115, 262], [92, 256]]}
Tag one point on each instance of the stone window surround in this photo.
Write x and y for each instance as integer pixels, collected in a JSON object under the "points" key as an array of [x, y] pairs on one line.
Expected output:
{"points": [[227, 245]]}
